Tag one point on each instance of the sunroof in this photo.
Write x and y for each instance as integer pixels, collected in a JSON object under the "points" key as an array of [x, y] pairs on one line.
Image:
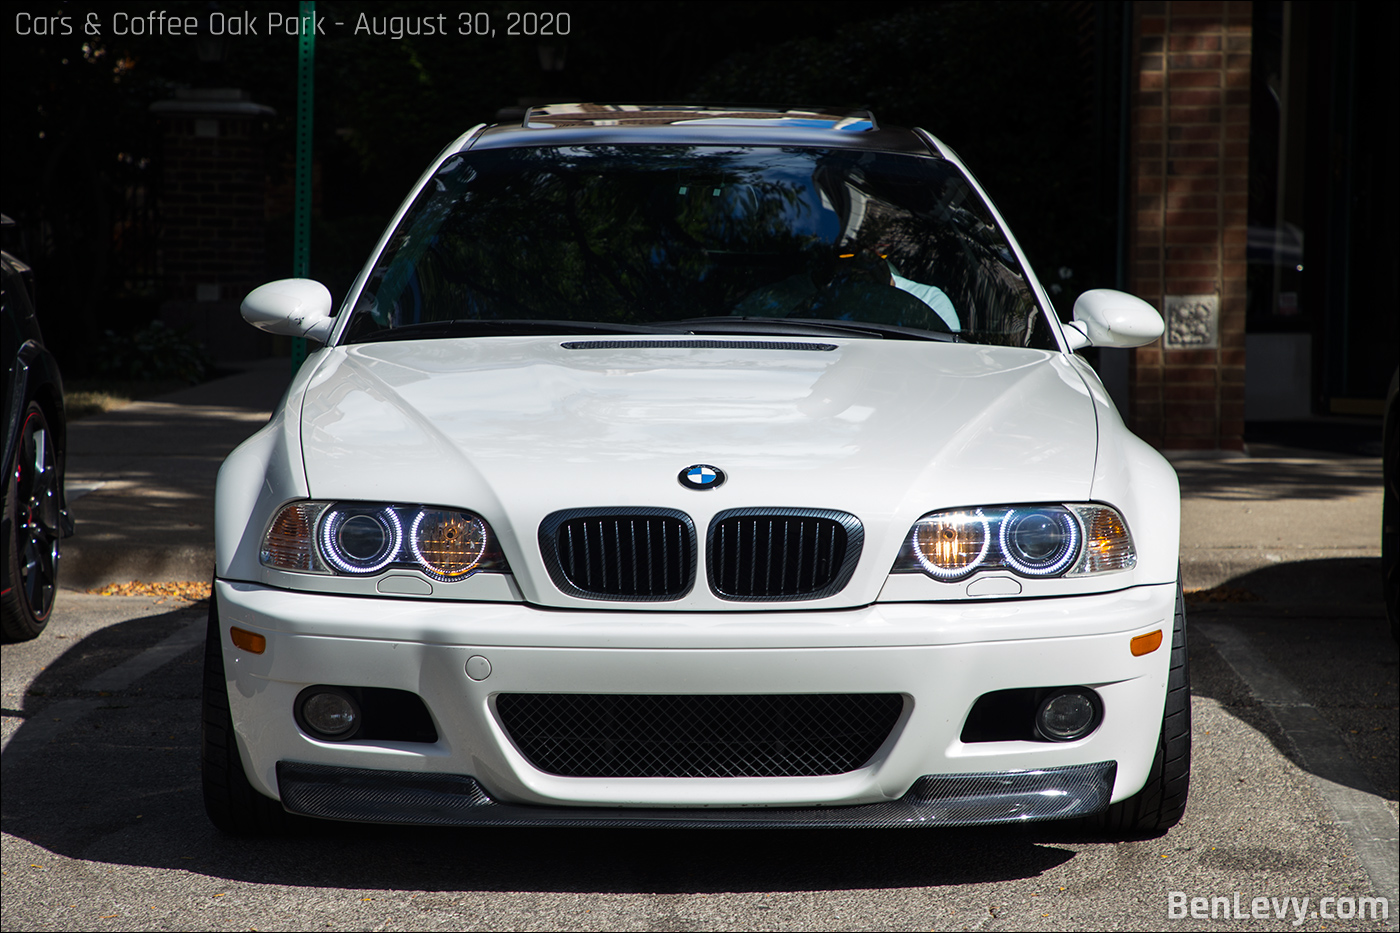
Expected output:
{"points": [[559, 116]]}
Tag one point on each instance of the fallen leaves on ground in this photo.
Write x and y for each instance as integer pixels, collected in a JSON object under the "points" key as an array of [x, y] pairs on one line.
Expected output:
{"points": [[187, 590], [77, 405]]}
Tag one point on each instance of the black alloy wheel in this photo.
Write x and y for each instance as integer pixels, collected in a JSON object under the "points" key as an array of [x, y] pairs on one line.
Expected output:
{"points": [[32, 504]]}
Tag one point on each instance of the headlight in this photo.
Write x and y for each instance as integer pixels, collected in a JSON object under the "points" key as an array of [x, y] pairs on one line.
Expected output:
{"points": [[1030, 540], [1107, 544], [363, 538], [360, 540], [1039, 542], [448, 545], [289, 543], [950, 544]]}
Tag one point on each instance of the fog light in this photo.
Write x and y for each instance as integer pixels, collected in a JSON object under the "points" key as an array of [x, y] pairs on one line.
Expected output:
{"points": [[1066, 715], [328, 713]]}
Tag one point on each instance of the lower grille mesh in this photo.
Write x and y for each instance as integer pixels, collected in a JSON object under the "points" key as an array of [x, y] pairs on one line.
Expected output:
{"points": [[594, 735]]}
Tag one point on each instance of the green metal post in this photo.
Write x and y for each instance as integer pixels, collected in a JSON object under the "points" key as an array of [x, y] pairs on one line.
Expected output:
{"points": [[301, 219]]}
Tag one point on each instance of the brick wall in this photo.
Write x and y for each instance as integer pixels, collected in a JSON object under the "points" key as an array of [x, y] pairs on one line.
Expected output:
{"points": [[1189, 130], [212, 205], [213, 217]]}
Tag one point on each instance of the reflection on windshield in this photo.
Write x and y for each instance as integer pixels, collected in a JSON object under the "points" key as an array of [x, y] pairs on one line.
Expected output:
{"points": [[645, 235]]}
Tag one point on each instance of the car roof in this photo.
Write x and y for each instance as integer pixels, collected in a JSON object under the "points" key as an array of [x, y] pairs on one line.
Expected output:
{"points": [[700, 124]]}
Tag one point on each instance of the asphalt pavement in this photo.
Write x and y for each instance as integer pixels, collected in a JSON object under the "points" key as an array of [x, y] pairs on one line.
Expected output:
{"points": [[140, 479]]}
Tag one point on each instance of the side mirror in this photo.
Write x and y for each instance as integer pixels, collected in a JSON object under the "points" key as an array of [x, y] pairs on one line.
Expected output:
{"points": [[1107, 318], [292, 307]]}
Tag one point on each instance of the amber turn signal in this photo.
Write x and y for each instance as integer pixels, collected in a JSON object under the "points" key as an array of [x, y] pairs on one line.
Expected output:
{"points": [[248, 641], [1146, 644]]}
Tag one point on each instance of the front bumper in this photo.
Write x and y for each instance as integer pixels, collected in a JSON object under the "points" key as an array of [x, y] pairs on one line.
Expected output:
{"points": [[939, 656], [367, 796]]}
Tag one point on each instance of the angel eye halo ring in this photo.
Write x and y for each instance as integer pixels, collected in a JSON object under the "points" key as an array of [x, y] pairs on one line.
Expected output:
{"points": [[951, 544], [365, 538], [360, 540], [448, 545], [1039, 542], [1036, 541]]}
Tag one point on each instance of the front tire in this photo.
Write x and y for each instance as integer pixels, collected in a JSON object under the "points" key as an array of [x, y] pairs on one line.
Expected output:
{"points": [[1161, 802], [230, 800], [33, 503]]}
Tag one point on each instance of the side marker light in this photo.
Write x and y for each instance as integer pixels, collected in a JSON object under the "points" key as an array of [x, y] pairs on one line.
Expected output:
{"points": [[248, 641], [1146, 644]]}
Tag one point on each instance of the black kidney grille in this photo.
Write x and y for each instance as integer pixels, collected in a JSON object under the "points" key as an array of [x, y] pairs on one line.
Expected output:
{"points": [[593, 735], [623, 554], [782, 554]]}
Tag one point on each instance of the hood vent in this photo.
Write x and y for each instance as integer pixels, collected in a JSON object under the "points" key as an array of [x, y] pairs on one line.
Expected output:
{"points": [[687, 344]]}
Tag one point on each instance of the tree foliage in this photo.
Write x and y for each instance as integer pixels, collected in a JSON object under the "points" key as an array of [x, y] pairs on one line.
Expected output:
{"points": [[1004, 84]]}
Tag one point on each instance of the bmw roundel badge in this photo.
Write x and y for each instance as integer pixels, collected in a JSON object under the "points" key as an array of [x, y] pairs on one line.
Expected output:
{"points": [[701, 476]]}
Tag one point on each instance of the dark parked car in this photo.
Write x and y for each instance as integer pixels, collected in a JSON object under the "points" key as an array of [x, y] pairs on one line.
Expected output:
{"points": [[1390, 508], [36, 517]]}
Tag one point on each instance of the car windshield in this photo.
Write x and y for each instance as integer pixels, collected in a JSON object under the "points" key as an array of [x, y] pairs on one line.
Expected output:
{"points": [[698, 239]]}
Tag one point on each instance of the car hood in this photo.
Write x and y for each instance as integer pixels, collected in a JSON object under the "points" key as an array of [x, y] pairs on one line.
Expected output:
{"points": [[515, 428]]}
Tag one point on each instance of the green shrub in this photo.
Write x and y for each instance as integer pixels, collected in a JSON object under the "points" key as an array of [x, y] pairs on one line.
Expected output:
{"points": [[155, 352]]}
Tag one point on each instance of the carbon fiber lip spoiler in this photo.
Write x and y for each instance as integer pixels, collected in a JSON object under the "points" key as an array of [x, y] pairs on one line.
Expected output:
{"points": [[414, 798]]}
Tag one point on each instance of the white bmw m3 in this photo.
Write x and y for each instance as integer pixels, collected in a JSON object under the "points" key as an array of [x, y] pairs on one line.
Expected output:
{"points": [[685, 466]]}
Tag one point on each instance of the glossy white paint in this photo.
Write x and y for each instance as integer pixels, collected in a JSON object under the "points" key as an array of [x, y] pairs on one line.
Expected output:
{"points": [[940, 656], [1107, 318], [291, 307], [514, 428], [1132, 476]]}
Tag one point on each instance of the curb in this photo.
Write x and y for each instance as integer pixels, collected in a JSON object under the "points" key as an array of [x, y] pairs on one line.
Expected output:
{"points": [[90, 566]]}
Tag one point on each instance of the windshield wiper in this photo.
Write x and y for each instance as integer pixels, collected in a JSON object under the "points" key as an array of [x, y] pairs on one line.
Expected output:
{"points": [[806, 327], [798, 327], [518, 327]]}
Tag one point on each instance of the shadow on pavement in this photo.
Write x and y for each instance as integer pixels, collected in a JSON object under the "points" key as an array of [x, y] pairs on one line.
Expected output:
{"points": [[1321, 624], [152, 466], [118, 782], [1279, 474]]}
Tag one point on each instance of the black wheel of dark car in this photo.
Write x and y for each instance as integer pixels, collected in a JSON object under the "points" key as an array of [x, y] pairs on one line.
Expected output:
{"points": [[32, 505], [1390, 553], [231, 801], [1390, 507], [1159, 805]]}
